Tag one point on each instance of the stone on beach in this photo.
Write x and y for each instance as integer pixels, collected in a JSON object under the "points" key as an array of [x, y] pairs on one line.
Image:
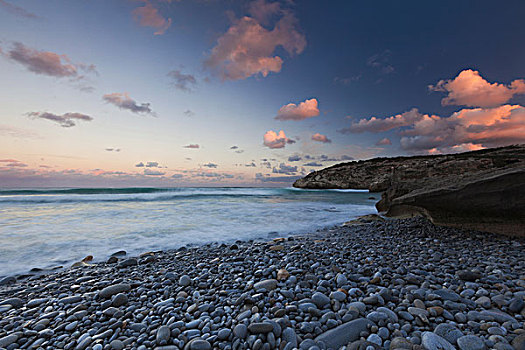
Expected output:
{"points": [[344, 334], [269, 284], [215, 297], [109, 291]]}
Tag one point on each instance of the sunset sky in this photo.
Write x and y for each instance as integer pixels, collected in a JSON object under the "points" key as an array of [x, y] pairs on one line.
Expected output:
{"points": [[249, 93]]}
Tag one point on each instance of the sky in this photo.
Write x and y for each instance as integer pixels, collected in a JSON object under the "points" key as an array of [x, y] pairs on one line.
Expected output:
{"points": [[249, 93]]}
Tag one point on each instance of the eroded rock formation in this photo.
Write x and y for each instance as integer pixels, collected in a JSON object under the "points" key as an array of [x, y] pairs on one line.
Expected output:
{"points": [[483, 190]]}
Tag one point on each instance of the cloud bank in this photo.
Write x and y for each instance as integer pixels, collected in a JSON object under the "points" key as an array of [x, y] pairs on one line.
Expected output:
{"points": [[466, 129]]}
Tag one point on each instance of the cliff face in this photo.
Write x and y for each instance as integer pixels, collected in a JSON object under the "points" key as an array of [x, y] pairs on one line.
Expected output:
{"points": [[483, 190]]}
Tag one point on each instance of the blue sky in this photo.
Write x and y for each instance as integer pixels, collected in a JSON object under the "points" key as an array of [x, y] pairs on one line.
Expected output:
{"points": [[91, 89]]}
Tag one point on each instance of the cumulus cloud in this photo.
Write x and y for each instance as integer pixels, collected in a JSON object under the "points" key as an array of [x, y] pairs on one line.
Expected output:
{"points": [[248, 47], [65, 120], [276, 140], [139, 165], [252, 165], [192, 145], [294, 158], [234, 147], [210, 165], [47, 63], [285, 169], [374, 124], [321, 138], [16, 10], [149, 16], [383, 142], [151, 172], [123, 101], [152, 165], [184, 82], [113, 149], [470, 89], [307, 109], [465, 129]]}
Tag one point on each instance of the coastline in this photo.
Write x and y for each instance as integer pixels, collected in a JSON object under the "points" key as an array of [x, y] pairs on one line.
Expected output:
{"points": [[58, 229], [385, 284]]}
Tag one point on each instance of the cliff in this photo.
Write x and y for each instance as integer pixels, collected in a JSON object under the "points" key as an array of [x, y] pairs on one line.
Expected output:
{"points": [[483, 190]]}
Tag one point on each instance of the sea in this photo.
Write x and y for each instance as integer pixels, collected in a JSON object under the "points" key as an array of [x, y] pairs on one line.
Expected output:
{"points": [[47, 228]]}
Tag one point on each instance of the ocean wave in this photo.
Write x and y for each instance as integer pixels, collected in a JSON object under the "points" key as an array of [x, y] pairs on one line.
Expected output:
{"points": [[146, 194]]}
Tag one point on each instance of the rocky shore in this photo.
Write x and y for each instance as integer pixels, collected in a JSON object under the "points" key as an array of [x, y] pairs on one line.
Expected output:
{"points": [[387, 284], [480, 190]]}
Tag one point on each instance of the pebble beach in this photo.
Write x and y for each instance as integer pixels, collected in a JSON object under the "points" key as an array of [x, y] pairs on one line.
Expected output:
{"points": [[392, 284]]}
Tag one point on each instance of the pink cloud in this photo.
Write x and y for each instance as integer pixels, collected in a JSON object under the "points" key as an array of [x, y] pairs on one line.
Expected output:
{"points": [[149, 16], [192, 145], [470, 89], [374, 124], [307, 109], [46, 63], [466, 129], [384, 142], [247, 48], [123, 101], [321, 138], [276, 140]]}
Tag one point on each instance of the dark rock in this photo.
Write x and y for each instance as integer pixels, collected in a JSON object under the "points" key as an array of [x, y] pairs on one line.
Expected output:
{"points": [[7, 280], [432, 341], [14, 302], [344, 334], [270, 284], [519, 342], [467, 275], [260, 327], [481, 190], [470, 342], [109, 291], [448, 332], [128, 263], [516, 304]]}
